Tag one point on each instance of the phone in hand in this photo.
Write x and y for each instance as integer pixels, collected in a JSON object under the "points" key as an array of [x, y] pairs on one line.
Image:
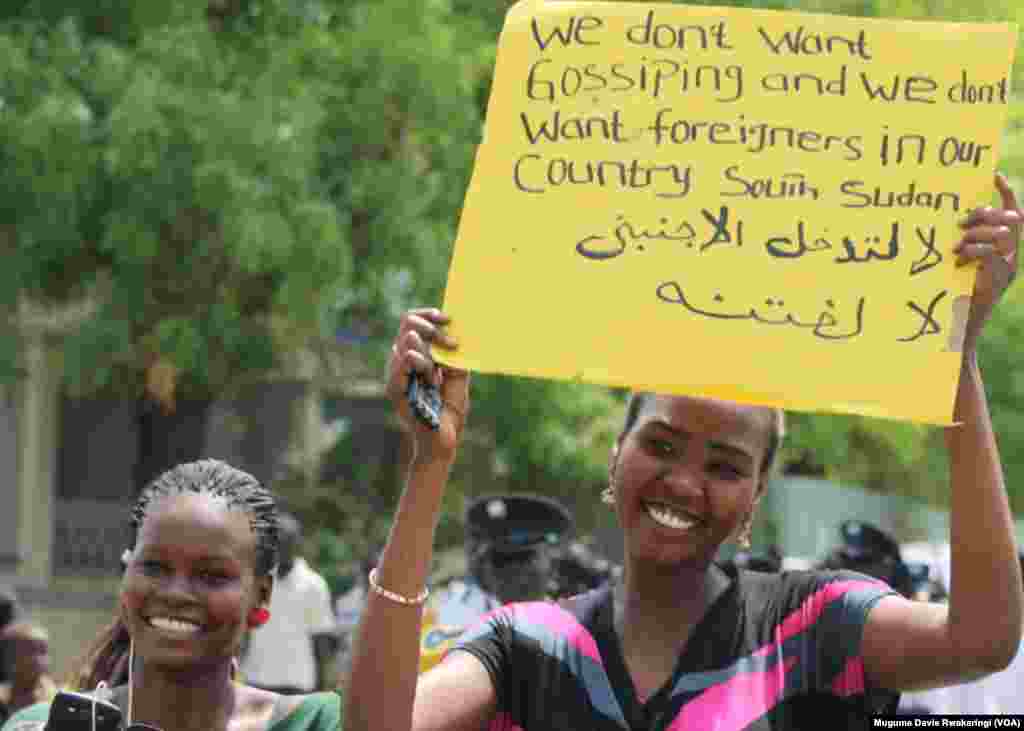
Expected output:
{"points": [[424, 400], [71, 711]]}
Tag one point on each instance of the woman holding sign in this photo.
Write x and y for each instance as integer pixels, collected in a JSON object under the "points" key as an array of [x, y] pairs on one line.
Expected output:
{"points": [[681, 641]]}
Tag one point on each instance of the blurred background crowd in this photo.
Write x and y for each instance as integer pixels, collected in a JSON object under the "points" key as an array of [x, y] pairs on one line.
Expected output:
{"points": [[212, 214]]}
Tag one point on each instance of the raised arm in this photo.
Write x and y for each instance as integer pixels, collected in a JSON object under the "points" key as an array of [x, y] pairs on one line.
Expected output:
{"points": [[909, 645], [382, 688]]}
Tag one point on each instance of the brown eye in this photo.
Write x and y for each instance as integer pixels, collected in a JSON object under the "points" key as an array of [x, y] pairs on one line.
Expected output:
{"points": [[215, 578], [727, 470]]}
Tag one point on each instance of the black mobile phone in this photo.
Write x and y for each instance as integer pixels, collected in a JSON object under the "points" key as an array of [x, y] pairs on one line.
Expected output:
{"points": [[71, 711], [424, 400]]}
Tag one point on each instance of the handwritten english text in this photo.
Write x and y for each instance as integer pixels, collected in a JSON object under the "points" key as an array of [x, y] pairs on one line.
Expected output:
{"points": [[534, 173]]}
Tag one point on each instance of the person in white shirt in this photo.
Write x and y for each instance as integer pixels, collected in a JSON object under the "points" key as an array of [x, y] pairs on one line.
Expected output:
{"points": [[291, 652]]}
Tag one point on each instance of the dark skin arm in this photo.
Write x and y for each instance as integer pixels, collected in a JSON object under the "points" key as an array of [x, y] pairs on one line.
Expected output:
{"points": [[457, 695], [909, 645]]}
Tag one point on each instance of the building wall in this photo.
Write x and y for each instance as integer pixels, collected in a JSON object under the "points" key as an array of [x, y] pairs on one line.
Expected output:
{"points": [[79, 534]]}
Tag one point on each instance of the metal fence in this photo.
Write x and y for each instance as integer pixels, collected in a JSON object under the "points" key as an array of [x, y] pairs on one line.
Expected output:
{"points": [[89, 537]]}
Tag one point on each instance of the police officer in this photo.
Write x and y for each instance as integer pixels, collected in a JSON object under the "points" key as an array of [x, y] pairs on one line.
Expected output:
{"points": [[869, 550], [511, 543]]}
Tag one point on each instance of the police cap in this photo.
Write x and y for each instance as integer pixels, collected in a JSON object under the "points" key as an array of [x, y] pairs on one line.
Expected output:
{"points": [[517, 522], [864, 542]]}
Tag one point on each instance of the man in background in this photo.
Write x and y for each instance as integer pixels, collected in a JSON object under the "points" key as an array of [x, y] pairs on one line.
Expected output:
{"points": [[293, 652], [512, 544]]}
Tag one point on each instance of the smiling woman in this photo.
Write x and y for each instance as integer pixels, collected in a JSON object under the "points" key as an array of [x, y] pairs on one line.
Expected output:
{"points": [[197, 577], [684, 640]]}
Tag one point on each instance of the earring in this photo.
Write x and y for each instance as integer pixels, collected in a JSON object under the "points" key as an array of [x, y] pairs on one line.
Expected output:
{"points": [[608, 496], [258, 616], [743, 539]]}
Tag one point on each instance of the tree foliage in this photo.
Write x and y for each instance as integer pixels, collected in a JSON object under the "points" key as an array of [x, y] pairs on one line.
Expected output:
{"points": [[233, 180], [156, 154]]}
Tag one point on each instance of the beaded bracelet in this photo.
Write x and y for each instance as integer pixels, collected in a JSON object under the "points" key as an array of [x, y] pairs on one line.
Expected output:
{"points": [[397, 598]]}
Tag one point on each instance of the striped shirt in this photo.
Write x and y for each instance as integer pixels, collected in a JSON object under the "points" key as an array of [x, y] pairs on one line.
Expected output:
{"points": [[775, 651]]}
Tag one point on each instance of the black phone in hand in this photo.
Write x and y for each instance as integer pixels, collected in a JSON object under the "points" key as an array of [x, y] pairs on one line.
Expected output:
{"points": [[71, 711], [424, 400]]}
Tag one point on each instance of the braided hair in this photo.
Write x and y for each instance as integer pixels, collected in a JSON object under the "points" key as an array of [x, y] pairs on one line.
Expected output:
{"points": [[107, 660], [239, 490]]}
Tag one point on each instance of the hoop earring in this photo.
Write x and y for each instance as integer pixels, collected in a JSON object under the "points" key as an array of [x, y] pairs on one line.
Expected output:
{"points": [[743, 539]]}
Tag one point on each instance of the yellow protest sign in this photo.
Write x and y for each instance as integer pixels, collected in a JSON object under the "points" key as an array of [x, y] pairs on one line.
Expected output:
{"points": [[746, 204]]}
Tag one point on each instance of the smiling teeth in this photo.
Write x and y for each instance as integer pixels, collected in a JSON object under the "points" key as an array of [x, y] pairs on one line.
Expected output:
{"points": [[669, 518], [174, 625]]}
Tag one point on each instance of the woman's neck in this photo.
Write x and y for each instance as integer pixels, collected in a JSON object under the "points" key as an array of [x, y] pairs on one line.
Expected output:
{"points": [[202, 700], [657, 606]]}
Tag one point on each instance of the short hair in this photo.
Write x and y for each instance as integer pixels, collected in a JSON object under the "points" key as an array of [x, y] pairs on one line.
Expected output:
{"points": [[639, 399]]}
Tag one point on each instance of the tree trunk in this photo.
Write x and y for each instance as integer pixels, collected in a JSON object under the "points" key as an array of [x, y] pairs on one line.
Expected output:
{"points": [[168, 438]]}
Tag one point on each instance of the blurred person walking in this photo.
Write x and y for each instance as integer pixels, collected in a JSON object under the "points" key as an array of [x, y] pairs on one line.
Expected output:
{"points": [[292, 652]]}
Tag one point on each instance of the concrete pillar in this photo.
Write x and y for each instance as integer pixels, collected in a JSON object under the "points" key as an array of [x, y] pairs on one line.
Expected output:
{"points": [[38, 408]]}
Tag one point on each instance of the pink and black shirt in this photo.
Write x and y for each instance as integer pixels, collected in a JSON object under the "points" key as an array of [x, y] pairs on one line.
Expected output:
{"points": [[775, 651]]}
